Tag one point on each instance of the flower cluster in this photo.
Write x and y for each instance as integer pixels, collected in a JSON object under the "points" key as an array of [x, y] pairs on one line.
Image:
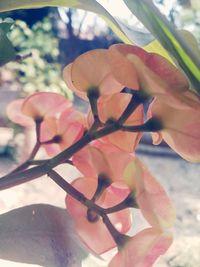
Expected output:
{"points": [[124, 85]]}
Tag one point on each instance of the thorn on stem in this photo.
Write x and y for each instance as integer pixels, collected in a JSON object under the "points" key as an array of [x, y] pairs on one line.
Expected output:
{"points": [[20, 58]]}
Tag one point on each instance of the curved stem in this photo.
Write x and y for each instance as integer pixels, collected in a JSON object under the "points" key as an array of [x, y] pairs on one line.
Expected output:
{"points": [[138, 97], [103, 183], [34, 151], [68, 188], [13, 179], [128, 202], [26, 164], [93, 95], [43, 161], [119, 238]]}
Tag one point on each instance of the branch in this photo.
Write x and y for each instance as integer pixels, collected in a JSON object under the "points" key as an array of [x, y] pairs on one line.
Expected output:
{"points": [[68, 188], [119, 238], [13, 179], [138, 97], [26, 164]]}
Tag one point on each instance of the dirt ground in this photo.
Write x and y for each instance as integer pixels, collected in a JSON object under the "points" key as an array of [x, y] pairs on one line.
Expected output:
{"points": [[180, 178]]}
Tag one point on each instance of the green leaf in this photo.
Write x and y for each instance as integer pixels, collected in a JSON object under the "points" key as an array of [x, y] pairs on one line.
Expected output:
{"points": [[169, 37], [6, 24], [192, 41], [122, 31], [7, 51], [138, 36], [156, 47]]}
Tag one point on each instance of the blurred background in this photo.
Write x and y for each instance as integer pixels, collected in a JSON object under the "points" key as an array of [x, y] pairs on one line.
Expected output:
{"points": [[55, 37]]}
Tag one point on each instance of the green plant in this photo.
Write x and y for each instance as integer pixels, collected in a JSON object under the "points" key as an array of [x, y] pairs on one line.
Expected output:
{"points": [[41, 71]]}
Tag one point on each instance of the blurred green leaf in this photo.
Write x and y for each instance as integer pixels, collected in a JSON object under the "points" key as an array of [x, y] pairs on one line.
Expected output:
{"points": [[136, 35], [122, 31], [156, 47], [6, 24], [7, 51], [169, 37], [41, 71], [192, 41]]}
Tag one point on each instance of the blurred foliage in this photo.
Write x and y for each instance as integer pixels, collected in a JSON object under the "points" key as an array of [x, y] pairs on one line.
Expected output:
{"points": [[30, 16], [8, 151], [170, 38], [7, 50], [41, 71], [185, 14], [188, 18]]}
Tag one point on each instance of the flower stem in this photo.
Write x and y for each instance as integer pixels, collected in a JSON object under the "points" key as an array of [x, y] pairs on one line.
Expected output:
{"points": [[119, 238], [138, 97], [34, 151], [13, 179], [128, 202], [68, 188]]}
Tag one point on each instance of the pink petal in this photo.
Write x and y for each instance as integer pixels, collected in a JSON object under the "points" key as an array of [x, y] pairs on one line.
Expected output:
{"points": [[70, 116], [118, 161], [128, 62], [152, 199], [122, 220], [124, 140], [103, 157], [95, 234], [143, 249], [113, 108], [129, 68], [72, 134], [68, 80], [41, 104], [91, 69], [84, 162], [69, 127], [167, 72], [181, 128], [15, 114], [48, 130], [91, 162], [123, 70], [156, 136], [52, 149], [151, 83], [85, 185]]}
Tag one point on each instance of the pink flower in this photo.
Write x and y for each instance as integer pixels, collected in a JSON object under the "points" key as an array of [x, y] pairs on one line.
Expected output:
{"points": [[128, 174], [155, 74], [112, 108], [94, 233], [91, 71], [151, 197], [181, 126], [67, 72], [36, 107], [16, 115], [63, 131], [143, 249]]}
